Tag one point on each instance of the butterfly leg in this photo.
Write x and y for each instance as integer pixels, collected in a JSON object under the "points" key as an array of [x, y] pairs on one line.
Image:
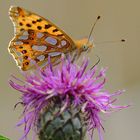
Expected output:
{"points": [[76, 56]]}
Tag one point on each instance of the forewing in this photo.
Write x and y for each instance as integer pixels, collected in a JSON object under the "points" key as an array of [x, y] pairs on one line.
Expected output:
{"points": [[35, 39]]}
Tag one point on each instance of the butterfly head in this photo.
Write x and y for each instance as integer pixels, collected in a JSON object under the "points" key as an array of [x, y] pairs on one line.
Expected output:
{"points": [[83, 45]]}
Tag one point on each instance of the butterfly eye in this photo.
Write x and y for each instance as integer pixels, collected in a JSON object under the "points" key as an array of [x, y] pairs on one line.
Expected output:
{"points": [[84, 47]]}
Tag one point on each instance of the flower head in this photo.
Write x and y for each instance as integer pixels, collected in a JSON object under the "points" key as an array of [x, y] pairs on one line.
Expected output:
{"points": [[74, 86]]}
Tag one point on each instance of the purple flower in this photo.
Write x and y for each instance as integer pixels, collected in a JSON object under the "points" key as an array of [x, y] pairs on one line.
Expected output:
{"points": [[73, 85]]}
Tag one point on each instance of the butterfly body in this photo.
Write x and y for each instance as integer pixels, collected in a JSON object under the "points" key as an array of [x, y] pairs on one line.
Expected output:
{"points": [[36, 38]]}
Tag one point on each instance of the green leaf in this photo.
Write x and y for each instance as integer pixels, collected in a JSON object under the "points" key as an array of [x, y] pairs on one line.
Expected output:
{"points": [[3, 138]]}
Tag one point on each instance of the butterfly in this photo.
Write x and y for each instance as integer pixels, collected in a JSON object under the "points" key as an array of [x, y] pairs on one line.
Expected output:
{"points": [[37, 38]]}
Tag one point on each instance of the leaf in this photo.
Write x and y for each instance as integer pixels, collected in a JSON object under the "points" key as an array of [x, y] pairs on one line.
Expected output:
{"points": [[3, 138]]}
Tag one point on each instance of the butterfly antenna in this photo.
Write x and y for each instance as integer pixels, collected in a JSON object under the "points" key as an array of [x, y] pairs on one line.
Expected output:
{"points": [[115, 41], [15, 106], [96, 62], [91, 31]]}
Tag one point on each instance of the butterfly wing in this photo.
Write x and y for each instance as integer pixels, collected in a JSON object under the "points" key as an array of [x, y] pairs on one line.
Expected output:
{"points": [[36, 38]]}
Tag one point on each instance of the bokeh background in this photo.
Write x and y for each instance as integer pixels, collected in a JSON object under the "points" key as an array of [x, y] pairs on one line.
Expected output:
{"points": [[120, 19]]}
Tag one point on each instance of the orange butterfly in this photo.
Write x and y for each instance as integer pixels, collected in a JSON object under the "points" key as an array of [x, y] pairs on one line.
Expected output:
{"points": [[36, 38]]}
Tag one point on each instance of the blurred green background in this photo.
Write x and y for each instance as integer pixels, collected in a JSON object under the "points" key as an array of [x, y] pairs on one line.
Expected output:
{"points": [[120, 19]]}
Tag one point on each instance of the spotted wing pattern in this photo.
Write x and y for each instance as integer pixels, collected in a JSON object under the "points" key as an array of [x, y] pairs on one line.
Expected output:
{"points": [[35, 39]]}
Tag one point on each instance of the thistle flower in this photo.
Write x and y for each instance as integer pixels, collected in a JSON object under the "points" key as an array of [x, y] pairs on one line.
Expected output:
{"points": [[71, 86]]}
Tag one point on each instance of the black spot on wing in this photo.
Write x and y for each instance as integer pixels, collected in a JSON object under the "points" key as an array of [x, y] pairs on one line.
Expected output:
{"points": [[33, 22], [47, 26], [39, 20], [60, 35], [20, 23], [28, 25], [24, 51], [25, 57], [26, 63], [55, 30], [39, 27]]}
